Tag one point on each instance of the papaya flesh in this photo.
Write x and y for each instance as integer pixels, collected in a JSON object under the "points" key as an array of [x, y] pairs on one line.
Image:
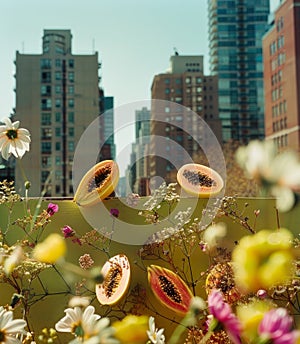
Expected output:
{"points": [[98, 183], [116, 274], [199, 180], [169, 289]]}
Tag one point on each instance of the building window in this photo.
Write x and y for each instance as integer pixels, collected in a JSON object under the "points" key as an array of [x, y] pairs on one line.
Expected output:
{"points": [[57, 63], [70, 189], [57, 117], [46, 147], [57, 132], [167, 91], [71, 117], [46, 119], [71, 146], [167, 81], [46, 133], [71, 76], [45, 63], [46, 90], [71, 89], [167, 109], [57, 160], [71, 103], [58, 175], [57, 189], [57, 89], [46, 161], [57, 75], [46, 77], [57, 146], [57, 103], [46, 104], [44, 176], [71, 63], [71, 132], [187, 80]]}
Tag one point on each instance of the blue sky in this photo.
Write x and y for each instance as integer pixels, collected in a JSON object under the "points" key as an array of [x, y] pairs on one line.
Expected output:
{"points": [[134, 38]]}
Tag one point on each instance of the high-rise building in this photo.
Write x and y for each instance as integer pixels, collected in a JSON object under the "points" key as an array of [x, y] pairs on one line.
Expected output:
{"points": [[185, 84], [57, 97], [236, 28], [106, 119], [281, 47], [142, 139], [137, 173]]}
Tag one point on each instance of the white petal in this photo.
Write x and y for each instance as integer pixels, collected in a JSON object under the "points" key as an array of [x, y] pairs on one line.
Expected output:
{"points": [[16, 124], [23, 131], [285, 198], [7, 122], [12, 340], [5, 150], [15, 326]]}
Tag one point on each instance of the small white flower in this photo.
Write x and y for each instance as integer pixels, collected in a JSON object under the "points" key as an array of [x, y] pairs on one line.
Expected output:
{"points": [[86, 326], [78, 322], [277, 174], [197, 305], [13, 140], [10, 328], [156, 336], [214, 233], [13, 260], [79, 301]]}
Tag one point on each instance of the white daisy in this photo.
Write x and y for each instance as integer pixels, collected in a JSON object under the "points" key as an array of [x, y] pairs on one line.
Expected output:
{"points": [[86, 326], [156, 336], [13, 140], [10, 328], [277, 174]]}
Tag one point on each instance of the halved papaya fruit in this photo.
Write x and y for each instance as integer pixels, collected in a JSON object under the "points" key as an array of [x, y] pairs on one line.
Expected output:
{"points": [[116, 274], [98, 183], [169, 289], [199, 180]]}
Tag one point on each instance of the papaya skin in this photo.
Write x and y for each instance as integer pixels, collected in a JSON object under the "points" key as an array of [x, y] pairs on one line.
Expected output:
{"points": [[199, 180], [97, 184], [116, 272], [169, 289]]}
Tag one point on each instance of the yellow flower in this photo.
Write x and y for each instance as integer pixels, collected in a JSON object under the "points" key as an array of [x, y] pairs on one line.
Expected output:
{"points": [[263, 260], [250, 315], [51, 249], [132, 329]]}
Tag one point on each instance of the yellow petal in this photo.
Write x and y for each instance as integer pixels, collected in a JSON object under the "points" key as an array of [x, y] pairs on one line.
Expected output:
{"points": [[51, 249]]}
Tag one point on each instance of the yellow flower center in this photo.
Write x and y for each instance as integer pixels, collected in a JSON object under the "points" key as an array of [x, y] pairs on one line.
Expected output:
{"points": [[12, 134]]}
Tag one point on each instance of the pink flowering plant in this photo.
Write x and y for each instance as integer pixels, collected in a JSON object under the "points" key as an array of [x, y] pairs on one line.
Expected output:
{"points": [[226, 281]]}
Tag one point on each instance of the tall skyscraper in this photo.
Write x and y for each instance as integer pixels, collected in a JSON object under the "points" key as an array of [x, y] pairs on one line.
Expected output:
{"points": [[137, 174], [107, 141], [236, 29], [57, 97], [185, 84], [281, 47]]}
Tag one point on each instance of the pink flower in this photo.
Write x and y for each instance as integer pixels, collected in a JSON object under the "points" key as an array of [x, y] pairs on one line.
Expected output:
{"points": [[68, 232], [52, 209], [222, 312], [277, 326]]}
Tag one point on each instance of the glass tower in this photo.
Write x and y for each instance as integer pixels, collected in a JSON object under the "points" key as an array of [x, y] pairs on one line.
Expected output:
{"points": [[236, 29]]}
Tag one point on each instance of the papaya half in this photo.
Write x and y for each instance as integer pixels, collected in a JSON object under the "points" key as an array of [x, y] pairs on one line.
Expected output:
{"points": [[116, 274], [199, 180], [169, 289], [98, 183]]}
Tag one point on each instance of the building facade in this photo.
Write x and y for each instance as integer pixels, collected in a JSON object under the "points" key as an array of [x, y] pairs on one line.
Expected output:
{"points": [[236, 28], [184, 84], [281, 47], [106, 121], [57, 97]]}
